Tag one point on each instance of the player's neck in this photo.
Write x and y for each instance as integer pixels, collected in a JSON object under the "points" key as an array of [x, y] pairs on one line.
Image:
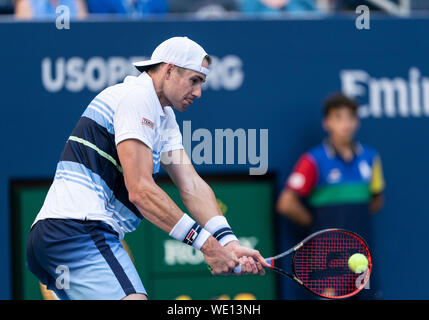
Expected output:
{"points": [[162, 99], [157, 84]]}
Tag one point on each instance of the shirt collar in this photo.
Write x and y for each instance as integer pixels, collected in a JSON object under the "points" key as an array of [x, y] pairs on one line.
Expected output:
{"points": [[147, 80], [332, 152]]}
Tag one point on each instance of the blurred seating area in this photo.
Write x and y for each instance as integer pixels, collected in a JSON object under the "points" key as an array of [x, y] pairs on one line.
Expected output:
{"points": [[33, 9]]}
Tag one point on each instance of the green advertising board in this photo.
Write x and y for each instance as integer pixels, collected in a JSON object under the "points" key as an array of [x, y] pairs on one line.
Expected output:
{"points": [[168, 268]]}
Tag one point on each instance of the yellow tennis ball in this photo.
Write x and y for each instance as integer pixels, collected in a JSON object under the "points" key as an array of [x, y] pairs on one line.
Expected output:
{"points": [[358, 263]]}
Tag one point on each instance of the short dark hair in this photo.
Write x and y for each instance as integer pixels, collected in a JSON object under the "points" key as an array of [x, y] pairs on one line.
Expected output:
{"points": [[154, 68], [209, 60], [339, 100]]}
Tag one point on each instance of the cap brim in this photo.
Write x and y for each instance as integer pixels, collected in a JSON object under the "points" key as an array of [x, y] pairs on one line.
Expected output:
{"points": [[144, 65]]}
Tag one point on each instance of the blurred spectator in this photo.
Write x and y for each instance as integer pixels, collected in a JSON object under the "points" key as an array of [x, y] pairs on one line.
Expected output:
{"points": [[28, 9], [129, 7], [203, 8], [338, 183], [6, 6], [277, 6]]}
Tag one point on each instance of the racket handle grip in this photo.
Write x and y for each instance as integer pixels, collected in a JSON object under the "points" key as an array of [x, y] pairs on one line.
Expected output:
{"points": [[237, 269]]}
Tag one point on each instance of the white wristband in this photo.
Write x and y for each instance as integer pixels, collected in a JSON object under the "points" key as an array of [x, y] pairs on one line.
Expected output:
{"points": [[182, 227], [201, 239], [220, 229], [190, 232]]}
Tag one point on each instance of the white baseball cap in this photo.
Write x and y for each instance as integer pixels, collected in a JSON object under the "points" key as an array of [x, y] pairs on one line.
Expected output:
{"points": [[181, 51]]}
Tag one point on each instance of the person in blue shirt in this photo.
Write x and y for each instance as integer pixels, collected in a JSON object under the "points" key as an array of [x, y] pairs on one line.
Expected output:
{"points": [[339, 183]]}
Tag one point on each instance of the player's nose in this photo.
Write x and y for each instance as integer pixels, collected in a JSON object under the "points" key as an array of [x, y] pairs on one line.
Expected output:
{"points": [[197, 92]]}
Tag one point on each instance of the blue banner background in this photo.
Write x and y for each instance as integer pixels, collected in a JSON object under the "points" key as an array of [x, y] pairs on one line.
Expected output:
{"points": [[289, 67]]}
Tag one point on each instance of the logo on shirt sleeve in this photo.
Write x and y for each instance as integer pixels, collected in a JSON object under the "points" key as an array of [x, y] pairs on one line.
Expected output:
{"points": [[147, 122], [296, 180]]}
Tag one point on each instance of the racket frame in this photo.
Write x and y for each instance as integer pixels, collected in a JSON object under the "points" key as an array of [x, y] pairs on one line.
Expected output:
{"points": [[301, 244]]}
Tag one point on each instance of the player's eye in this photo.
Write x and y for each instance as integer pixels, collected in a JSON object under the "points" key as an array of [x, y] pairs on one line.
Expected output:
{"points": [[197, 80]]}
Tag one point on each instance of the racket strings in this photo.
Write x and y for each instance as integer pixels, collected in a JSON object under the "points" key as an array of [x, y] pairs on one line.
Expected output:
{"points": [[322, 264]]}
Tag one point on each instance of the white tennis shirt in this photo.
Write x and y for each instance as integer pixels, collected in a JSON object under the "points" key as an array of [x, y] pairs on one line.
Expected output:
{"points": [[89, 182]]}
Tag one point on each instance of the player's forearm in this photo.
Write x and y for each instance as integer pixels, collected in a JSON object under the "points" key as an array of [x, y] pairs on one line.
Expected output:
{"points": [[156, 206], [200, 201]]}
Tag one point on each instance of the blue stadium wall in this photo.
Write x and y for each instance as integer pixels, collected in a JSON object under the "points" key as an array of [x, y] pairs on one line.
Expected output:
{"points": [[267, 75]]}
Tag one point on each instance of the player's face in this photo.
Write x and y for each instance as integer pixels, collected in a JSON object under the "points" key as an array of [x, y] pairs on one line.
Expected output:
{"points": [[341, 125], [185, 86]]}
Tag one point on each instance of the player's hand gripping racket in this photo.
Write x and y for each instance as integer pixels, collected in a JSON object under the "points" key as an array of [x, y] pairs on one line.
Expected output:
{"points": [[320, 263]]}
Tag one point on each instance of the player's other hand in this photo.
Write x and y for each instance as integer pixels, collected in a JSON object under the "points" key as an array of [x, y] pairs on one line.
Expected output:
{"points": [[249, 266], [220, 259], [250, 259]]}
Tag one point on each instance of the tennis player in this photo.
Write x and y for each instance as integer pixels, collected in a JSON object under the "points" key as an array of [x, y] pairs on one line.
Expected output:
{"points": [[104, 185]]}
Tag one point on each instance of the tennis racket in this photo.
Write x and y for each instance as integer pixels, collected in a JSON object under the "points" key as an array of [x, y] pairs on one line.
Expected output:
{"points": [[320, 263]]}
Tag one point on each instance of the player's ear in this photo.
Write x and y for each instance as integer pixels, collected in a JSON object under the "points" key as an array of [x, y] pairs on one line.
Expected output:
{"points": [[169, 70]]}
